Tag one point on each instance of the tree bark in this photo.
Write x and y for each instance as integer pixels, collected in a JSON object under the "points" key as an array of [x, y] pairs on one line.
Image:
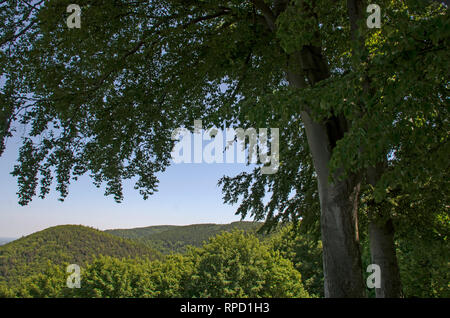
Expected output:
{"points": [[338, 201], [382, 244], [343, 275], [382, 250]]}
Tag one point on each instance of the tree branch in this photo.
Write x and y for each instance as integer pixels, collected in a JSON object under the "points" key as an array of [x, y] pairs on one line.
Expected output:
{"points": [[267, 13]]}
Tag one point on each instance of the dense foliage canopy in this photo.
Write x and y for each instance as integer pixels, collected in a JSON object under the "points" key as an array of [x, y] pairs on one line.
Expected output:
{"points": [[287, 263]]}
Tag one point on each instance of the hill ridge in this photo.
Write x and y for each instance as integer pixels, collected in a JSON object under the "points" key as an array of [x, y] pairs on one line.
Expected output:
{"points": [[73, 244], [176, 238]]}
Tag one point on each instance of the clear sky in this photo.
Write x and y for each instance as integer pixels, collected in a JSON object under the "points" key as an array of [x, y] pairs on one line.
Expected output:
{"points": [[188, 194]]}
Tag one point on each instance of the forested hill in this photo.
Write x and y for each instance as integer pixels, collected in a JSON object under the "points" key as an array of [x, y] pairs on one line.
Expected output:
{"points": [[172, 238], [73, 244]]}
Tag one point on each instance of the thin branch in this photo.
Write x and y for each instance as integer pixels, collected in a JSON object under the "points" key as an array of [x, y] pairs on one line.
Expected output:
{"points": [[224, 11]]}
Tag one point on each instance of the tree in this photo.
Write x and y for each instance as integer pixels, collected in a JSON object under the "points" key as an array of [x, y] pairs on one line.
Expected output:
{"points": [[422, 226], [171, 276], [5, 291], [50, 283], [304, 250], [238, 265], [105, 98], [108, 277]]}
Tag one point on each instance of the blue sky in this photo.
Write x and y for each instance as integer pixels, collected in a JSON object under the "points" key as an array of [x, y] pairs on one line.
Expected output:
{"points": [[188, 194]]}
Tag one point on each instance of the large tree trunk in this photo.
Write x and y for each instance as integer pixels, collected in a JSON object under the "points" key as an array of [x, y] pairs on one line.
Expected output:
{"points": [[339, 204], [342, 259], [338, 201], [382, 244], [382, 250]]}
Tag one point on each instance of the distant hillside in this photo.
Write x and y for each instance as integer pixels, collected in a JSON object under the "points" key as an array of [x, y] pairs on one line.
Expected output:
{"points": [[76, 244], [141, 232], [171, 238], [73, 244]]}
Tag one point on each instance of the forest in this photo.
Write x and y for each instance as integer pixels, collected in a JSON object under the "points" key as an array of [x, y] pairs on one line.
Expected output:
{"points": [[357, 94], [235, 261]]}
